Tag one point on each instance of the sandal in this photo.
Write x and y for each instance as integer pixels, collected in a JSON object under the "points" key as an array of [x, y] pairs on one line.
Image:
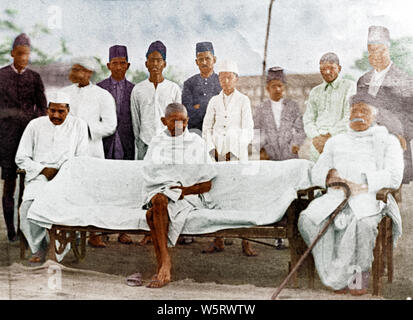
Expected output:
{"points": [[134, 280]]}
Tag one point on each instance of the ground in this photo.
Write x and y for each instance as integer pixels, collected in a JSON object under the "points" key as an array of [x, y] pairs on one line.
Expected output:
{"points": [[226, 275]]}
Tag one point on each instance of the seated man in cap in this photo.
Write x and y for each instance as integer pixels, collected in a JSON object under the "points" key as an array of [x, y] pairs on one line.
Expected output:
{"points": [[46, 144], [176, 173], [94, 105], [200, 88], [149, 99], [328, 107], [390, 88], [367, 158], [228, 130], [279, 123], [121, 144], [21, 100]]}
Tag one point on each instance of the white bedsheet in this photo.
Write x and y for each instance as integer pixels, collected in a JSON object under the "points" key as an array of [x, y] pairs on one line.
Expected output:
{"points": [[108, 194]]}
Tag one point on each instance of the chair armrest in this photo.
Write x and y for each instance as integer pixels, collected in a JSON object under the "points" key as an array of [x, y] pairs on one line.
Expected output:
{"points": [[384, 192], [309, 192], [21, 171]]}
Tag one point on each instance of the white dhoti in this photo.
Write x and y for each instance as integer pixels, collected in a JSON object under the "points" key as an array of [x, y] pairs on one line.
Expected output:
{"points": [[346, 247], [36, 236]]}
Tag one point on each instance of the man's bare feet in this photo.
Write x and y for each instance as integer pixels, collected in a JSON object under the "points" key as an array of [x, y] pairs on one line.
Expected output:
{"points": [[124, 238], [96, 241], [342, 291], [162, 278], [145, 240], [216, 246], [358, 292], [247, 250]]}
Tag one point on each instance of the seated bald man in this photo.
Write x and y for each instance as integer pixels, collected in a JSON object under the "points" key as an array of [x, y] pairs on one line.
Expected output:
{"points": [[177, 176]]}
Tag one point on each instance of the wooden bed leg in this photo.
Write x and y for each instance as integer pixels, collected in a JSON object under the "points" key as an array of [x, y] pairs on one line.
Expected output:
{"points": [[311, 269], [389, 246], [52, 244], [23, 244], [83, 244], [377, 263]]}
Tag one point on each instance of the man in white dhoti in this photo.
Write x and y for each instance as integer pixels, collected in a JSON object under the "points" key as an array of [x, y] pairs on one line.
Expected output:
{"points": [[177, 174], [94, 105], [46, 144], [367, 158]]}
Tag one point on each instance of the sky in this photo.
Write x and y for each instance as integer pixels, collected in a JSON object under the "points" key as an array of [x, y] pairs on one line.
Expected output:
{"points": [[301, 30]]}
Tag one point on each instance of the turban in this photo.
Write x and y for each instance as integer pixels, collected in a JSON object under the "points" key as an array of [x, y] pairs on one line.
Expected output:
{"points": [[86, 62], [228, 66], [59, 97], [276, 73], [330, 57], [378, 35], [204, 46], [21, 40], [157, 46], [118, 51]]}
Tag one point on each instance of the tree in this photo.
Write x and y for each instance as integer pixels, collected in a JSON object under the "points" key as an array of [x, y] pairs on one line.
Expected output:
{"points": [[9, 30], [401, 53]]}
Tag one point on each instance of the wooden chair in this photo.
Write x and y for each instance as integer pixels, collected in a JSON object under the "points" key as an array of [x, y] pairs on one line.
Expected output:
{"points": [[383, 251]]}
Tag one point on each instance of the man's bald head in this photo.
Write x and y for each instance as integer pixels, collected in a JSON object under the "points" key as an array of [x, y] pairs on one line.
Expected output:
{"points": [[176, 118]]}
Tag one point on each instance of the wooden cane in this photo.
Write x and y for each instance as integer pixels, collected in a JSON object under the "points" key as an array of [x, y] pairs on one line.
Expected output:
{"points": [[320, 234]]}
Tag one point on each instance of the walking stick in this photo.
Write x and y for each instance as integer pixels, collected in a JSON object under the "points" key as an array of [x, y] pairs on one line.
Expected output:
{"points": [[320, 234]]}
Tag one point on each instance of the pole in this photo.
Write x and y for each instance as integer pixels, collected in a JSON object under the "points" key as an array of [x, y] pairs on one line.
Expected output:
{"points": [[320, 234], [264, 62]]}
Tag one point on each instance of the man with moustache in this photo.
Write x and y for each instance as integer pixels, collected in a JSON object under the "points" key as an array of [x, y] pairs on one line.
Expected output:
{"points": [[120, 145], [391, 90], [327, 109], [21, 100], [367, 158], [47, 143], [200, 88], [94, 105]]}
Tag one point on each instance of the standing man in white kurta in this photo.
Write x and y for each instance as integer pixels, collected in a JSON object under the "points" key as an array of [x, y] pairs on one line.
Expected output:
{"points": [[149, 99], [94, 105], [367, 158], [46, 144], [228, 129], [228, 125]]}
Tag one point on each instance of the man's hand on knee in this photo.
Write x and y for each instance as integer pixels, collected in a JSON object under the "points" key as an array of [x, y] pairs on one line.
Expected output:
{"points": [[49, 173]]}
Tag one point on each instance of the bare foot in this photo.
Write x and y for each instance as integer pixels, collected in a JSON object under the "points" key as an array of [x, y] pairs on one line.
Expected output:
{"points": [[145, 240], [358, 292], [161, 279], [247, 250], [125, 238], [216, 246]]}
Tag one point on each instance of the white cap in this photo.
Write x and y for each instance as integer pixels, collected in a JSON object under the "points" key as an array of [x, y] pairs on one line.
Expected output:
{"points": [[378, 35], [228, 66], [59, 97], [86, 62]]}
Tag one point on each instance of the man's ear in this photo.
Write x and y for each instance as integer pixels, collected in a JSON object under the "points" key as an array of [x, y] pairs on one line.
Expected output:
{"points": [[128, 66], [215, 59], [163, 119], [339, 68], [107, 65], [12, 53]]}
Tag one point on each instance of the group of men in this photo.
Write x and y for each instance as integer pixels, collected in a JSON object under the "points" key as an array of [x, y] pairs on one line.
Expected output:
{"points": [[116, 119]]}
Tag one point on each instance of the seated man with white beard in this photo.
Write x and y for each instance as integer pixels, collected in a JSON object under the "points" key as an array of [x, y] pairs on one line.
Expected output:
{"points": [[367, 158]]}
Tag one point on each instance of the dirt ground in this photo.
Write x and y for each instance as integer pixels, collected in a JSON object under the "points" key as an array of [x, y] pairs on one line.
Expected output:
{"points": [[226, 275]]}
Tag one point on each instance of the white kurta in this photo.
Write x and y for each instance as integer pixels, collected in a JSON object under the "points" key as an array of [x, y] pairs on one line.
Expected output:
{"points": [[373, 157], [229, 127], [44, 144], [148, 106], [177, 161], [97, 107]]}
